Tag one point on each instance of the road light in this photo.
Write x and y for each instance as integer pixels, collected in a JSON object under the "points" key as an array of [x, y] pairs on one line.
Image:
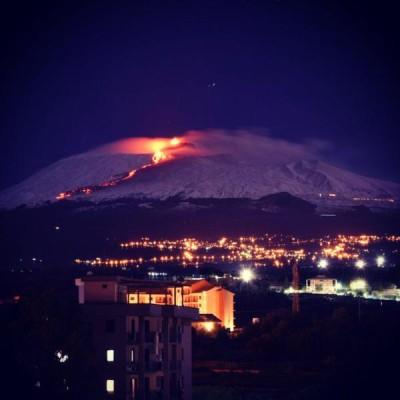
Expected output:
{"points": [[360, 264], [323, 263], [247, 275], [358, 285], [380, 261]]}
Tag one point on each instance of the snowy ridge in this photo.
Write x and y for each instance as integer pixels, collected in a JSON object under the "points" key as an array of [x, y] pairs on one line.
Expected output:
{"points": [[68, 173], [217, 176]]}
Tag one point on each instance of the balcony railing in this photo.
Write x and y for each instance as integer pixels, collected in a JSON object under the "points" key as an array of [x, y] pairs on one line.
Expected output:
{"points": [[175, 336], [149, 366], [149, 337], [174, 364]]}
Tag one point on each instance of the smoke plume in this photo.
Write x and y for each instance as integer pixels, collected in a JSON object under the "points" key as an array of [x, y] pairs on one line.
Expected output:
{"points": [[241, 144]]}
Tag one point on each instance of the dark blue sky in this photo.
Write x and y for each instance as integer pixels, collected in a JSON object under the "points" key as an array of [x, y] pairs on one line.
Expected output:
{"points": [[75, 75]]}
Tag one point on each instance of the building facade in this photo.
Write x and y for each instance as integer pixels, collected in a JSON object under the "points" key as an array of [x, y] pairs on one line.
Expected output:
{"points": [[143, 349], [321, 285], [212, 300]]}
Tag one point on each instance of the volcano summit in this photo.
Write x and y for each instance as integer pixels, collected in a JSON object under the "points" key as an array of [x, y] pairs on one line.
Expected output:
{"points": [[199, 165]]}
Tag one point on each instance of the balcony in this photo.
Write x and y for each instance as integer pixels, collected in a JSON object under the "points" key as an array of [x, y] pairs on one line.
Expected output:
{"points": [[174, 364], [132, 367], [154, 395], [134, 337], [175, 337], [153, 366], [150, 337], [149, 366], [149, 395]]}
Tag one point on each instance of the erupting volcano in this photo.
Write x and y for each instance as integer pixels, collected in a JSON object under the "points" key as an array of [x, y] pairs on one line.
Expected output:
{"points": [[161, 154], [211, 164]]}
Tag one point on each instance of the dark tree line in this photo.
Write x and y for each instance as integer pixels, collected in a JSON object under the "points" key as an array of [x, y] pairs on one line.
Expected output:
{"points": [[45, 348], [334, 355]]}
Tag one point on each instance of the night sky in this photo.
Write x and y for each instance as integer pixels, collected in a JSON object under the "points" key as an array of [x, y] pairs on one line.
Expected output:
{"points": [[76, 75]]}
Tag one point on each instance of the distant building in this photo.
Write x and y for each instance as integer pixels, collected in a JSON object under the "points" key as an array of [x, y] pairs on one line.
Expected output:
{"points": [[321, 285], [143, 348], [392, 293], [208, 298]]}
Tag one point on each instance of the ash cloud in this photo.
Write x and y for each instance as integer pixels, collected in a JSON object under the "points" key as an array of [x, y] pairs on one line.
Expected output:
{"points": [[241, 144], [251, 145]]}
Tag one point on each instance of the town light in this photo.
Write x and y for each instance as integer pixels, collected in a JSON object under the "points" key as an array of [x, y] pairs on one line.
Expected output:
{"points": [[380, 261], [360, 264], [358, 285], [247, 275], [323, 263]]}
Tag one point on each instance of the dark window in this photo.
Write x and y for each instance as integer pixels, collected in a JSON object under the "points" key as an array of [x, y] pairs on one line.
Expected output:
{"points": [[160, 382], [172, 384], [110, 325], [174, 353], [104, 285], [147, 385], [147, 357], [133, 326]]}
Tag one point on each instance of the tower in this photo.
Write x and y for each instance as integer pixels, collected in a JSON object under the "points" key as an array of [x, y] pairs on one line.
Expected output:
{"points": [[296, 287]]}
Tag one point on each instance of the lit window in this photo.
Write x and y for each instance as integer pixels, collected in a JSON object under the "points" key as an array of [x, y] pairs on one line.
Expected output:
{"points": [[110, 355], [110, 385]]}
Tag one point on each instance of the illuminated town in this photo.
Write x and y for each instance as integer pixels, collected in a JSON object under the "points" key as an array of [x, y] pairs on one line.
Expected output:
{"points": [[268, 250], [249, 259]]}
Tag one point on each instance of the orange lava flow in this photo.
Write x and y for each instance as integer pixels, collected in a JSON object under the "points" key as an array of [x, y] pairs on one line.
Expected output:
{"points": [[161, 154]]}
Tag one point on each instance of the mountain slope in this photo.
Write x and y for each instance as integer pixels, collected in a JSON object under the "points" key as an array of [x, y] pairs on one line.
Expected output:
{"points": [[217, 176]]}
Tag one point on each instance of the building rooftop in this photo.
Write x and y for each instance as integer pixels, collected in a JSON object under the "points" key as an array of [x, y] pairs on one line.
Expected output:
{"points": [[147, 285], [130, 281], [208, 318], [199, 285]]}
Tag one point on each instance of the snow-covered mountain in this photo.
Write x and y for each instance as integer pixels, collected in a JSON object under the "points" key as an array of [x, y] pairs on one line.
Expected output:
{"points": [[213, 176]]}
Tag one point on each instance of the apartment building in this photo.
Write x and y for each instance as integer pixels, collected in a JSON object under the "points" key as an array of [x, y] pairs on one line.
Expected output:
{"points": [[142, 348]]}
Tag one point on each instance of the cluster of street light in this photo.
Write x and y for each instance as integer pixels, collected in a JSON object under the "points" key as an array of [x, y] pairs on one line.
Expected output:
{"points": [[380, 261], [266, 250]]}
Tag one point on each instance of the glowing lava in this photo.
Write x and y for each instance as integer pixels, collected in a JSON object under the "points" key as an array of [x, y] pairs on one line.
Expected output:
{"points": [[158, 157], [161, 149]]}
